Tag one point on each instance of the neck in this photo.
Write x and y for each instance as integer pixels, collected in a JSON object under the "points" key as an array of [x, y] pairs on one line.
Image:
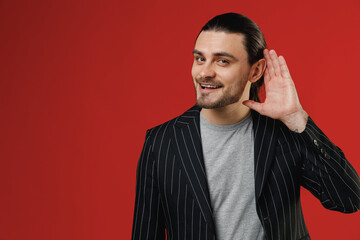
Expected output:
{"points": [[229, 114]]}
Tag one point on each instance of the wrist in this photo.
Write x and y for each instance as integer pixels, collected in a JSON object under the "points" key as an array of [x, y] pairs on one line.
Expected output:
{"points": [[296, 121]]}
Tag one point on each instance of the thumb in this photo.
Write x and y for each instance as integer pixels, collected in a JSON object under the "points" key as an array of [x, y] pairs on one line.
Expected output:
{"points": [[253, 105]]}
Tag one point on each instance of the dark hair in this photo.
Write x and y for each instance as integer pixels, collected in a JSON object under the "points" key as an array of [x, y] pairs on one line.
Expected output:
{"points": [[254, 40]]}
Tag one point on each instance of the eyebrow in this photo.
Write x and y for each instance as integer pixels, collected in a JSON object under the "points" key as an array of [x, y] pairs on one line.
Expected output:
{"points": [[218, 54]]}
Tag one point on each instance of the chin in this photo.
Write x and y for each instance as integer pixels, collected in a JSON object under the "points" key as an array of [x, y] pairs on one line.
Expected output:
{"points": [[219, 103], [211, 105]]}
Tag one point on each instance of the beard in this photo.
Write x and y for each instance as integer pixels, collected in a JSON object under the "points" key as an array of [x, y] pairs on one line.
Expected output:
{"points": [[226, 99], [230, 95]]}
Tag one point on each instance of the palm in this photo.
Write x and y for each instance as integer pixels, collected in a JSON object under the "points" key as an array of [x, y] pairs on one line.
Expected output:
{"points": [[281, 97]]}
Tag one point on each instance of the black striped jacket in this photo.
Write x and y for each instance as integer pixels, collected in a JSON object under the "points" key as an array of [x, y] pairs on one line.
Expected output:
{"points": [[172, 191]]}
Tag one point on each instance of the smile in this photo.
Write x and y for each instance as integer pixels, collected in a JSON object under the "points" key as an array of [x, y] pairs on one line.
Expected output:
{"points": [[204, 86]]}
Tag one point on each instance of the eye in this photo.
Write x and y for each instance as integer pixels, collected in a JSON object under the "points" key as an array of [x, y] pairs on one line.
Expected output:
{"points": [[199, 59], [223, 61]]}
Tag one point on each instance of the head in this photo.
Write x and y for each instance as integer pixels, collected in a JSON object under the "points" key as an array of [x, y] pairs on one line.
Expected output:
{"points": [[228, 61]]}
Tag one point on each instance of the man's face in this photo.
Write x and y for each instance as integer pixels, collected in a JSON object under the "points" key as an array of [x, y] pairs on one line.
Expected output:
{"points": [[220, 69]]}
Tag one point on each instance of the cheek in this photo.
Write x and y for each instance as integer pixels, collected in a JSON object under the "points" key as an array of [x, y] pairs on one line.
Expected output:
{"points": [[230, 79], [193, 75], [235, 83], [194, 71]]}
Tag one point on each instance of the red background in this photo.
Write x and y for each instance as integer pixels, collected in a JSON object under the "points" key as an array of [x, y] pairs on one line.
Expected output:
{"points": [[81, 81]]}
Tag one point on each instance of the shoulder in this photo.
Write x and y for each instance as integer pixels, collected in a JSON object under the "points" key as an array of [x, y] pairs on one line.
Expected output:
{"points": [[167, 127]]}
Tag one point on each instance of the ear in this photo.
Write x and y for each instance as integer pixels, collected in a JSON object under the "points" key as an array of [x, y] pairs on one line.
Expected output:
{"points": [[257, 70]]}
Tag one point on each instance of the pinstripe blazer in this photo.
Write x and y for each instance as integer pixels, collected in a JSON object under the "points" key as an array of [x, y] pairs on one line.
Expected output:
{"points": [[172, 195]]}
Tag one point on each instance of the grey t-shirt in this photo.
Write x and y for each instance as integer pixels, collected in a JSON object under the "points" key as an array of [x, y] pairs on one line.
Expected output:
{"points": [[229, 164]]}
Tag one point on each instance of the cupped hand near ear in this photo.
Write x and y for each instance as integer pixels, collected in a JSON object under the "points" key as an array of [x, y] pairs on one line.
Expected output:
{"points": [[281, 101]]}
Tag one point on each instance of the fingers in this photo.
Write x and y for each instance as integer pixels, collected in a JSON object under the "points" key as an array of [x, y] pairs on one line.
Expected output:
{"points": [[284, 69], [266, 75], [275, 62], [269, 64], [276, 66]]}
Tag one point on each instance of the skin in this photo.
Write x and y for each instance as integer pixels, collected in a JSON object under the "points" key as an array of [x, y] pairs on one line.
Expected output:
{"points": [[220, 59]]}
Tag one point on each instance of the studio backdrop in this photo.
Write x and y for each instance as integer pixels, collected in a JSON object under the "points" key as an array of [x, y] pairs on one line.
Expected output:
{"points": [[81, 82]]}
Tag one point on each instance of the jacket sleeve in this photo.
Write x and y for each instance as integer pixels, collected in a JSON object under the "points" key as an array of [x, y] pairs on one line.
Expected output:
{"points": [[148, 215], [326, 173]]}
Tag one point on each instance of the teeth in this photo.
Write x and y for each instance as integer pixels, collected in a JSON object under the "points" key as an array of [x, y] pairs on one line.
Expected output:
{"points": [[208, 86]]}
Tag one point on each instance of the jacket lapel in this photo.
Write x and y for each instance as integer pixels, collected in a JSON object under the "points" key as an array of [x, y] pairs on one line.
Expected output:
{"points": [[188, 149], [266, 135]]}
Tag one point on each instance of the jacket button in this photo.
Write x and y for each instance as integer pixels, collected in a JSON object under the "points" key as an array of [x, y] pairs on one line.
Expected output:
{"points": [[327, 156], [316, 144]]}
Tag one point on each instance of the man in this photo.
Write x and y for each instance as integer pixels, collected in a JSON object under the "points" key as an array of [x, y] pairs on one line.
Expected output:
{"points": [[223, 171]]}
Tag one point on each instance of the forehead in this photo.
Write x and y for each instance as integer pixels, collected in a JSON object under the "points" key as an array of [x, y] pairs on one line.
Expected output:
{"points": [[210, 42]]}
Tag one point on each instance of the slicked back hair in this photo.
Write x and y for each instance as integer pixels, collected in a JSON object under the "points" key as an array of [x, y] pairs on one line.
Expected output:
{"points": [[253, 37]]}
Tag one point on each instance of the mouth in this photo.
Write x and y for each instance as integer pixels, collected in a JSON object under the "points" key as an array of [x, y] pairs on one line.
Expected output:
{"points": [[208, 87], [204, 86]]}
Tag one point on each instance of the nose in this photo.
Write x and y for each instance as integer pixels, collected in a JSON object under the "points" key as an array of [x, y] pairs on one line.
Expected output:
{"points": [[207, 71]]}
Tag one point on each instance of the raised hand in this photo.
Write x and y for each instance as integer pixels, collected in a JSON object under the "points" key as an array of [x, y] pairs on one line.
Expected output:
{"points": [[281, 101]]}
